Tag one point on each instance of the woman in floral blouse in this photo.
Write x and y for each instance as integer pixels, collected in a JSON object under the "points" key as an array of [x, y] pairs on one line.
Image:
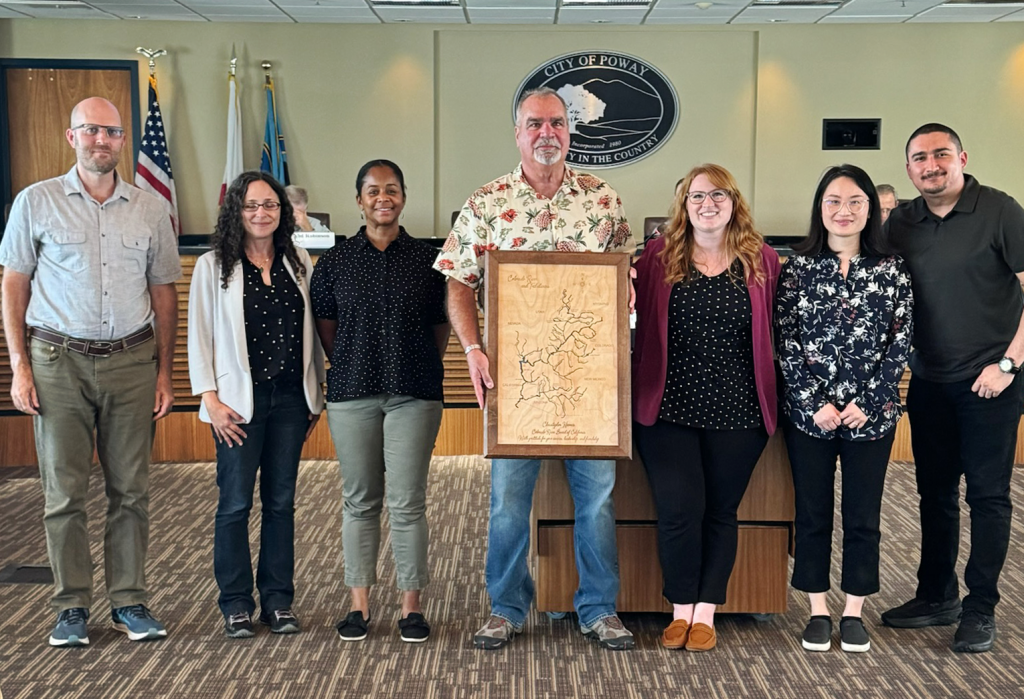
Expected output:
{"points": [[843, 321]]}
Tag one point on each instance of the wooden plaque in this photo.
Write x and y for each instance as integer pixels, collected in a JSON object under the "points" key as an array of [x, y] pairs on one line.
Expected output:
{"points": [[557, 340]]}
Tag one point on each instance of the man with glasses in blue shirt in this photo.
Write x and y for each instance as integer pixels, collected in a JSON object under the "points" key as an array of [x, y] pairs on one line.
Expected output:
{"points": [[90, 316]]}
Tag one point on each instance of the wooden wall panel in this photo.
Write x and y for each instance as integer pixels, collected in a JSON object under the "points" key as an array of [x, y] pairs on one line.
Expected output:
{"points": [[39, 109], [769, 497], [759, 581]]}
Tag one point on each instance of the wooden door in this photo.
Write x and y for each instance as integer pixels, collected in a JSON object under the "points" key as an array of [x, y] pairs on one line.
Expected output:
{"points": [[39, 103]]}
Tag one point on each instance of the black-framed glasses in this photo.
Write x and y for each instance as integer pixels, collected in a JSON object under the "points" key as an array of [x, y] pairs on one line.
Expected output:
{"points": [[267, 205], [94, 130], [834, 206], [717, 196]]}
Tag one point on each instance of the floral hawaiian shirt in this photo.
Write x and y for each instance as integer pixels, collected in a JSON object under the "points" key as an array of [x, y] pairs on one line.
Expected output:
{"points": [[843, 340], [508, 214]]}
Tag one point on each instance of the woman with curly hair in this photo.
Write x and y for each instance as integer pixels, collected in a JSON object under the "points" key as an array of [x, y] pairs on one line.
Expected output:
{"points": [[254, 357], [704, 396]]}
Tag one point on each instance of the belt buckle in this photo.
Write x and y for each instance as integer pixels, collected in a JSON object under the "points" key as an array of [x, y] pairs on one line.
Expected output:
{"points": [[104, 349]]}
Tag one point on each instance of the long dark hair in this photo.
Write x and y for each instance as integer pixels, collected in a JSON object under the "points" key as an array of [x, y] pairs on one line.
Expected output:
{"points": [[872, 240], [228, 239]]}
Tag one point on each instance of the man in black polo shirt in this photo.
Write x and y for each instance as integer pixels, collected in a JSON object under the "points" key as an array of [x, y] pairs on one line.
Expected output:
{"points": [[964, 245]]}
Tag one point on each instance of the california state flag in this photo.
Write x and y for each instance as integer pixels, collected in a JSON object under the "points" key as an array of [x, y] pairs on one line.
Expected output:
{"points": [[233, 166]]}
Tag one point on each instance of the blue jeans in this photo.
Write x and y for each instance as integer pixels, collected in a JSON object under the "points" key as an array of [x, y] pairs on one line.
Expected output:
{"points": [[272, 445], [508, 538]]}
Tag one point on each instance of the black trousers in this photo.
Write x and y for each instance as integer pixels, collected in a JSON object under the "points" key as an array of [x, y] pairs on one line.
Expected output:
{"points": [[698, 478], [863, 464], [954, 433]]}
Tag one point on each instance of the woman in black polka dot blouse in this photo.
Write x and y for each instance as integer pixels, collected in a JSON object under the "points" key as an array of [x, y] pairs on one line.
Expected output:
{"points": [[380, 313], [704, 396], [254, 357]]}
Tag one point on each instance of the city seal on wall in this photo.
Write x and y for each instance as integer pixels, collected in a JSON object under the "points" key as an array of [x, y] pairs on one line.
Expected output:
{"points": [[621, 108]]}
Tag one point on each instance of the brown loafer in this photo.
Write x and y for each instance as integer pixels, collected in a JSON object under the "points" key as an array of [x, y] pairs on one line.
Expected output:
{"points": [[702, 637], [674, 635]]}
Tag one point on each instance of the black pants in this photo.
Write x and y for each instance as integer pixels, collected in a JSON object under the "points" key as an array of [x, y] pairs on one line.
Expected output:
{"points": [[863, 471], [954, 433], [698, 478]]}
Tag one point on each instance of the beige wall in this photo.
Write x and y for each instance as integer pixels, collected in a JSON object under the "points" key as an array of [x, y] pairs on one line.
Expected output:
{"points": [[437, 100]]}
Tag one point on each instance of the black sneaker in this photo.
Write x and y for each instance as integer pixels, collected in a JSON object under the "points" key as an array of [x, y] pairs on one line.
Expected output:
{"points": [[976, 633], [818, 634], [280, 621], [238, 625], [853, 637], [353, 627], [918, 613], [414, 628]]}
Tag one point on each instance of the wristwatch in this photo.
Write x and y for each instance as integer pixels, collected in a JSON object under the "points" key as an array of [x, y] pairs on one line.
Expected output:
{"points": [[1007, 366]]}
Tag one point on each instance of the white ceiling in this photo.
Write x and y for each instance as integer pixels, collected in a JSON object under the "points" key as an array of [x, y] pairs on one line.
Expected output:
{"points": [[653, 12]]}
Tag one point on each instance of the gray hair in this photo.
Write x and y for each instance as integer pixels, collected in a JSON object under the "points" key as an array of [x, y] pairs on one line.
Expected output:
{"points": [[296, 195], [542, 91], [887, 189]]}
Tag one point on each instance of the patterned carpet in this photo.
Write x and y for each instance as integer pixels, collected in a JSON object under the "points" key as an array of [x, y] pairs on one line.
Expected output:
{"points": [[754, 658]]}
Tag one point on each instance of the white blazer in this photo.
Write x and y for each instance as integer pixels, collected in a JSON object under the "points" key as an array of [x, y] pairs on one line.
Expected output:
{"points": [[218, 357]]}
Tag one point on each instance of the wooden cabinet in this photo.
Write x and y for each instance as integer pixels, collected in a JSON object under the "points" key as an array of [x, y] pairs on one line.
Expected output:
{"points": [[759, 581]]}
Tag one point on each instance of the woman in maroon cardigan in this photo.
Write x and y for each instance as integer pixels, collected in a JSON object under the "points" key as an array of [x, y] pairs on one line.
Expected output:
{"points": [[704, 397]]}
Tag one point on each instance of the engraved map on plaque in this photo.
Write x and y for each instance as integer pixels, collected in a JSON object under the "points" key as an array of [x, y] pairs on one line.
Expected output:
{"points": [[557, 371]]}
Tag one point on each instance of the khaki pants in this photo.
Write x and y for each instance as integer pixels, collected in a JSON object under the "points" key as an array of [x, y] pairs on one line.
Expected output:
{"points": [[112, 397], [377, 438]]}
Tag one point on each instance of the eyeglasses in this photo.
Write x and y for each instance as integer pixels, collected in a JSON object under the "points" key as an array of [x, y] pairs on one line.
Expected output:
{"points": [[834, 206], [267, 205], [717, 196], [94, 130]]}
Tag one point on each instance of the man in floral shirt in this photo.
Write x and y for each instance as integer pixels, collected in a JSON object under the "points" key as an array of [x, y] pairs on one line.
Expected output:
{"points": [[541, 205]]}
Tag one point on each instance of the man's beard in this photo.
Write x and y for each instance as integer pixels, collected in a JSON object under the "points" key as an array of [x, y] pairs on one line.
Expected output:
{"points": [[549, 160], [93, 164]]}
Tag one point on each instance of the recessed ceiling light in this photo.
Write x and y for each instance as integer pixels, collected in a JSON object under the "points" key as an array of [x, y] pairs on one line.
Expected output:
{"points": [[778, 20], [703, 5], [599, 21]]}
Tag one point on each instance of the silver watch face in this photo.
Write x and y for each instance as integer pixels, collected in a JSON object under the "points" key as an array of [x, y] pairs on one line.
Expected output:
{"points": [[1006, 365]]}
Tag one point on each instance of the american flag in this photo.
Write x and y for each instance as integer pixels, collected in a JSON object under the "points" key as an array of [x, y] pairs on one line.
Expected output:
{"points": [[153, 170]]}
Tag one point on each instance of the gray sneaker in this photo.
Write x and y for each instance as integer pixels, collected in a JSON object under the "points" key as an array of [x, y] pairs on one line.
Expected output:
{"points": [[610, 633], [497, 632]]}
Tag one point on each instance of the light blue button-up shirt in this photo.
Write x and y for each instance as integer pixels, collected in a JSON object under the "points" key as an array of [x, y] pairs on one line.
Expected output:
{"points": [[91, 263]]}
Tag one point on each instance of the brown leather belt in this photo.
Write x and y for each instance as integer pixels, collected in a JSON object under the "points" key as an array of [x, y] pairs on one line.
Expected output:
{"points": [[93, 348]]}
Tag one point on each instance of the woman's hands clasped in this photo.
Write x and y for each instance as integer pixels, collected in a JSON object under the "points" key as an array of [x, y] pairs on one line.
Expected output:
{"points": [[829, 418]]}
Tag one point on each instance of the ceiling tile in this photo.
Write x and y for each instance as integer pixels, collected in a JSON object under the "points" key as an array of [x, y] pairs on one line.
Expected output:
{"points": [[248, 17], [1017, 16], [610, 15], [509, 5], [444, 15], [881, 8], [975, 13], [789, 15], [863, 19]]}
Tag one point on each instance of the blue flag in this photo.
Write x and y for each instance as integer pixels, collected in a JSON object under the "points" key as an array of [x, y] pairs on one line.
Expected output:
{"points": [[273, 160]]}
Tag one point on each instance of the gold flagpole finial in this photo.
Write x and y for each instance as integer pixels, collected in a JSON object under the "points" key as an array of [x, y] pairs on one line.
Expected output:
{"points": [[266, 71], [233, 63], [152, 55]]}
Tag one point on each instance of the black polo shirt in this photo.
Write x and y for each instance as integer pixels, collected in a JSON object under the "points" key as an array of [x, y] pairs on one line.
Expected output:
{"points": [[386, 303], [967, 299]]}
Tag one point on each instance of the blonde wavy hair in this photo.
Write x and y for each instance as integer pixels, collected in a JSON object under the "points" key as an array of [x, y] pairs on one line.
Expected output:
{"points": [[741, 239]]}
